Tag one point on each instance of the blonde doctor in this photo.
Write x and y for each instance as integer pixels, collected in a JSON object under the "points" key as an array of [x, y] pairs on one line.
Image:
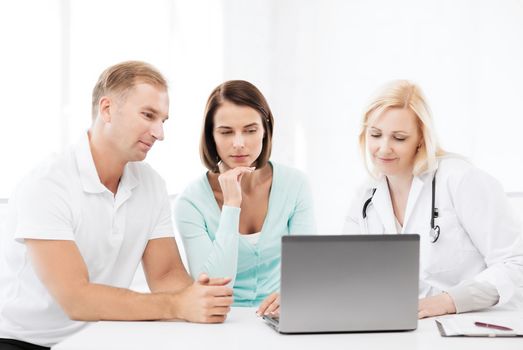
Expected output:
{"points": [[471, 249]]}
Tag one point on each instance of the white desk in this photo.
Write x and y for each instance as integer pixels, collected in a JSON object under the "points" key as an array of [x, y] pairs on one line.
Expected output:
{"points": [[244, 330]]}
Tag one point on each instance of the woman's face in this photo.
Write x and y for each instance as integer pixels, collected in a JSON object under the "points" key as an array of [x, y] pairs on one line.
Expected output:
{"points": [[392, 140], [238, 134]]}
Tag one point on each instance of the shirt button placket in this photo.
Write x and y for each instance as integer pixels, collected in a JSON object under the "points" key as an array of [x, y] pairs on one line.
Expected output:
{"points": [[256, 272]]}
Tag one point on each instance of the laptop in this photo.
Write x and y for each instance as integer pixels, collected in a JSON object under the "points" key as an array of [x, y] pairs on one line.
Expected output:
{"points": [[350, 283]]}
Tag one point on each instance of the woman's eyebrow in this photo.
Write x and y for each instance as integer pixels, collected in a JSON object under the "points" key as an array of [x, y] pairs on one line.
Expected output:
{"points": [[251, 124]]}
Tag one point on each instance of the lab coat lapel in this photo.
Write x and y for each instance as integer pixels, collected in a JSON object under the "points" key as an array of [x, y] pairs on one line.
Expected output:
{"points": [[414, 193], [383, 206]]}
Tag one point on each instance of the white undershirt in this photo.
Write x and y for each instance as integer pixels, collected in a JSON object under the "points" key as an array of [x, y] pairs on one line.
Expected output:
{"points": [[252, 238]]}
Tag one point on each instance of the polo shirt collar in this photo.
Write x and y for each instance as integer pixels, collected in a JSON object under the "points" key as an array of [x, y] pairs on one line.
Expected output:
{"points": [[89, 176], [129, 178]]}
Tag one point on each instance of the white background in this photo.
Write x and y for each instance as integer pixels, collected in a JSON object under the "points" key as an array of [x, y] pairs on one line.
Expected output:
{"points": [[316, 61]]}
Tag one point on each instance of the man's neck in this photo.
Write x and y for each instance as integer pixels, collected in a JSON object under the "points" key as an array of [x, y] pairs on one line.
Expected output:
{"points": [[108, 166]]}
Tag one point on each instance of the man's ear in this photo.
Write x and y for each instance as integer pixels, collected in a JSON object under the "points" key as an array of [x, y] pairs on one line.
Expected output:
{"points": [[104, 108]]}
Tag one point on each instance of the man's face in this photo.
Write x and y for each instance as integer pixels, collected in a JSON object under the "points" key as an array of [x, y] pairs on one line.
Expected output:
{"points": [[136, 120]]}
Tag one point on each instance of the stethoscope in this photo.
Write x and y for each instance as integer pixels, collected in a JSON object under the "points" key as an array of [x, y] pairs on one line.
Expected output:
{"points": [[434, 229]]}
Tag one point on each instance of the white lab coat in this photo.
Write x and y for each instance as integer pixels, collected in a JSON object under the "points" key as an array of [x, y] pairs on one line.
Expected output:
{"points": [[481, 237]]}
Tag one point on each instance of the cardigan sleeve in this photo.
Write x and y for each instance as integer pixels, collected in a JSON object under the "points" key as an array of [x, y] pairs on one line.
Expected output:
{"points": [[302, 220], [216, 256]]}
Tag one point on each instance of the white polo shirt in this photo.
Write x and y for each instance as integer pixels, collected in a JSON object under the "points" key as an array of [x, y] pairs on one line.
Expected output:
{"points": [[63, 199]]}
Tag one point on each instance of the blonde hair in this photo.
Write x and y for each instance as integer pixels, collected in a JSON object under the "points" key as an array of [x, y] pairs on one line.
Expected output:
{"points": [[122, 77], [404, 94]]}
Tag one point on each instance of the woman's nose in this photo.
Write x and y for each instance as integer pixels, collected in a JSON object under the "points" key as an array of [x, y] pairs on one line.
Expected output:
{"points": [[238, 141]]}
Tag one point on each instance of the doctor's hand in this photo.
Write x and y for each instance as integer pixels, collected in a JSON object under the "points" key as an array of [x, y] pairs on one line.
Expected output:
{"points": [[230, 183], [270, 306], [437, 305], [207, 300]]}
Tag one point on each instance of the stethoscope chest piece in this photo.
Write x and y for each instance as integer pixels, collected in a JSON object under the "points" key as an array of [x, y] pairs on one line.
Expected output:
{"points": [[434, 234]]}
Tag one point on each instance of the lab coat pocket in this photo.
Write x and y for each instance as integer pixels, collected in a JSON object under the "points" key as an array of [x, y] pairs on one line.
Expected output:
{"points": [[448, 252]]}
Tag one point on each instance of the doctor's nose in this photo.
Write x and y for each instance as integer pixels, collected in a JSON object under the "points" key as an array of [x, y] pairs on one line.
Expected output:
{"points": [[385, 145]]}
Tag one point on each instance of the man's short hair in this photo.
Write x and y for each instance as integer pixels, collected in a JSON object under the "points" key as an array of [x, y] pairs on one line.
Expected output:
{"points": [[240, 93], [122, 77]]}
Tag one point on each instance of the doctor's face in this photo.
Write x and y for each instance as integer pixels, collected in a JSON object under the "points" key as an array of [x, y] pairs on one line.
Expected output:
{"points": [[392, 140], [238, 134]]}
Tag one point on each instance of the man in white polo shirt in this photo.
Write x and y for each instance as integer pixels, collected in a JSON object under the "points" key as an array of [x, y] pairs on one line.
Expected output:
{"points": [[81, 222]]}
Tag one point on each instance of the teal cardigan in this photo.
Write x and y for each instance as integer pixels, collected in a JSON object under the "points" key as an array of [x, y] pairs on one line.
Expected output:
{"points": [[213, 243]]}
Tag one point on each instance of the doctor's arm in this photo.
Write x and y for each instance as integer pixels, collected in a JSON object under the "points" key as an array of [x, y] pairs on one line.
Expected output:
{"points": [[485, 213]]}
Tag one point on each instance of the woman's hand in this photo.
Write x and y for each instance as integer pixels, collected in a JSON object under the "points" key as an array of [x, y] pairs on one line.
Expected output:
{"points": [[270, 306], [230, 183], [437, 305]]}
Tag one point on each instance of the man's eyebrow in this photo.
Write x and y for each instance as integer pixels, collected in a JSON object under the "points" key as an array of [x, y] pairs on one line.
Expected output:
{"points": [[151, 109], [154, 111]]}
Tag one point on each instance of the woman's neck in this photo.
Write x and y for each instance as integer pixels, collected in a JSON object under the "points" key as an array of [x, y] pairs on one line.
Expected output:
{"points": [[400, 184], [399, 188], [251, 180]]}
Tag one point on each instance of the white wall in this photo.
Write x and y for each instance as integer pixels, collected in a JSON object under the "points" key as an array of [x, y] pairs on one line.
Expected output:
{"points": [[317, 61]]}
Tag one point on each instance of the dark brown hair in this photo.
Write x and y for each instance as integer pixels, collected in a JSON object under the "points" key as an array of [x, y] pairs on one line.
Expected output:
{"points": [[241, 93], [122, 77]]}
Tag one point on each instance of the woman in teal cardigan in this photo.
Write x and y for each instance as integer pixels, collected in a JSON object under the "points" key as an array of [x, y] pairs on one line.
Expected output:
{"points": [[232, 218]]}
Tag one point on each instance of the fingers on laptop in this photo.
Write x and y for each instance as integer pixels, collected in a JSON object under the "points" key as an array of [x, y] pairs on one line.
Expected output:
{"points": [[274, 309], [270, 306]]}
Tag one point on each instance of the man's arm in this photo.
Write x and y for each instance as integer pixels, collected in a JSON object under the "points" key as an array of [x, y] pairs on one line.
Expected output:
{"points": [[60, 267], [163, 266]]}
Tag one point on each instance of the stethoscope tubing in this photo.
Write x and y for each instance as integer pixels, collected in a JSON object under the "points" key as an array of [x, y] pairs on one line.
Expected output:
{"points": [[434, 229]]}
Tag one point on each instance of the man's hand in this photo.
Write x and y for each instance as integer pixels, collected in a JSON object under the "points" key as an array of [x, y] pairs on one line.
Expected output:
{"points": [[437, 305], [208, 300]]}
